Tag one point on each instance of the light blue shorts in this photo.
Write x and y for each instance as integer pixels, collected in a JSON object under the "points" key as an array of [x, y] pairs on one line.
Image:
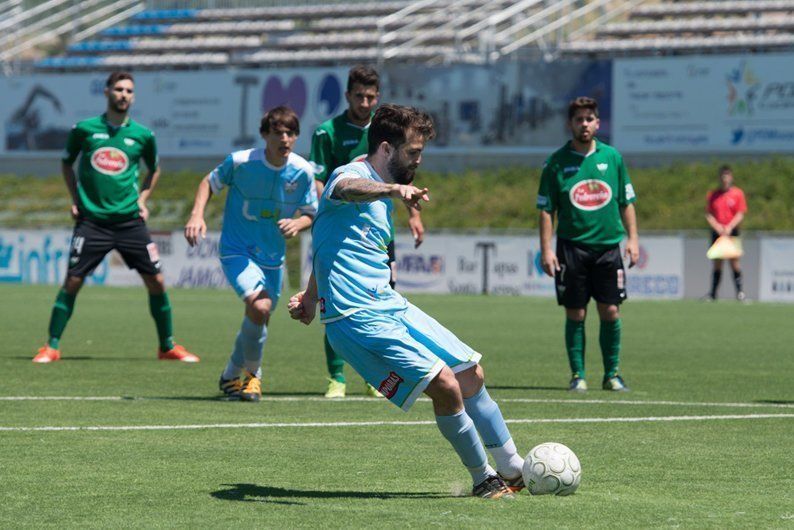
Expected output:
{"points": [[247, 277], [398, 352]]}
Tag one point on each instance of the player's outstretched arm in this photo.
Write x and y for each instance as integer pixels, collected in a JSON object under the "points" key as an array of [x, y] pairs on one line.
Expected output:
{"points": [[363, 190], [196, 227], [303, 305]]}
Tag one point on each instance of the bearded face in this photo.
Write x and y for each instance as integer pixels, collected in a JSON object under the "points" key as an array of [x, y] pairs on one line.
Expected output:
{"points": [[401, 170]]}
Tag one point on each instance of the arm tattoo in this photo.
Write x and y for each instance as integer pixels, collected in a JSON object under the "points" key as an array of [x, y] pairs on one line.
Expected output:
{"points": [[360, 190]]}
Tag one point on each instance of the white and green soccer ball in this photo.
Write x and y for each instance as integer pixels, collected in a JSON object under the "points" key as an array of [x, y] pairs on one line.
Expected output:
{"points": [[551, 469]]}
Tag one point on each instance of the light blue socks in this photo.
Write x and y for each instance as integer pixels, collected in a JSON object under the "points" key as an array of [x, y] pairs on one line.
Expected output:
{"points": [[248, 350], [460, 431], [490, 423]]}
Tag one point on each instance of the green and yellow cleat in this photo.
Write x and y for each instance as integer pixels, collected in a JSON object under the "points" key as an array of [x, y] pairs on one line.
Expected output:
{"points": [[335, 389]]}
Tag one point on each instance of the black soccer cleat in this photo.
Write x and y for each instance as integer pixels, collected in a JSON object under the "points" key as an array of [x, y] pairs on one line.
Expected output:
{"points": [[514, 484]]}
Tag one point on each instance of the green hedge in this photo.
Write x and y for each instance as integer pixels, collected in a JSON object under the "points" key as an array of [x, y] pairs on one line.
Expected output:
{"points": [[669, 198]]}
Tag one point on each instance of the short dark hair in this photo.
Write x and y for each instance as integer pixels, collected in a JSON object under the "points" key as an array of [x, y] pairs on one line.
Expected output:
{"points": [[281, 115], [115, 77], [725, 168], [363, 75], [391, 124], [582, 103]]}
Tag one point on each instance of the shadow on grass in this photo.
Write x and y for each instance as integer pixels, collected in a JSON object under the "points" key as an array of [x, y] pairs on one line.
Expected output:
{"points": [[70, 358], [775, 401], [272, 494], [508, 387]]}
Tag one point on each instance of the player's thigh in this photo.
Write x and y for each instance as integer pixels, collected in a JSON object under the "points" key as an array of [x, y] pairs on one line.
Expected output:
{"points": [[608, 278], [571, 281], [380, 348], [134, 243], [90, 244], [244, 275], [442, 342]]}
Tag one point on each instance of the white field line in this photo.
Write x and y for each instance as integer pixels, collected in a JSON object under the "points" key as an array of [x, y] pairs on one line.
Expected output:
{"points": [[189, 427], [355, 399]]}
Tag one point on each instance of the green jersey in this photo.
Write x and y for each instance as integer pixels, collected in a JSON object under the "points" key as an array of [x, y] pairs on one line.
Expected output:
{"points": [[107, 177], [587, 192], [336, 142]]}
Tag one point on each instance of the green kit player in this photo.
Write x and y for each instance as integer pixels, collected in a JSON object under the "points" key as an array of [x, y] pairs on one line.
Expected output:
{"points": [[337, 142], [586, 185], [110, 212]]}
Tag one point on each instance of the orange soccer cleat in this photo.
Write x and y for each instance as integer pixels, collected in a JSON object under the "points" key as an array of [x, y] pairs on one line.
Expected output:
{"points": [[177, 353], [47, 355]]}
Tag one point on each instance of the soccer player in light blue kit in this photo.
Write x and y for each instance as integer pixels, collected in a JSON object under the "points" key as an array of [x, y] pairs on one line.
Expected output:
{"points": [[271, 198], [396, 347]]}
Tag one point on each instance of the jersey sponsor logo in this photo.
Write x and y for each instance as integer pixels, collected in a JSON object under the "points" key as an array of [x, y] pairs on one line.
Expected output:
{"points": [[591, 194], [350, 142], [110, 161], [100, 136], [388, 387], [570, 169]]}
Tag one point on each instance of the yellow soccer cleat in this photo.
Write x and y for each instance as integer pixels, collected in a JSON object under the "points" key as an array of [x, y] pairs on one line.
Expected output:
{"points": [[335, 389], [252, 388]]}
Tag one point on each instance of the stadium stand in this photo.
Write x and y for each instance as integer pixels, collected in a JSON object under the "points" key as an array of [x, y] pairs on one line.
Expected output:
{"points": [[712, 26], [436, 31]]}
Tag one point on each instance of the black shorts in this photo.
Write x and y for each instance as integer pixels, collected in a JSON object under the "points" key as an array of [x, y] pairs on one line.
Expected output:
{"points": [[92, 241], [392, 259], [715, 235], [585, 272]]}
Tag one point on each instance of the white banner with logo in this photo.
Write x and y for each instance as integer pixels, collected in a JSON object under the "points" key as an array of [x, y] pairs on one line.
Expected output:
{"points": [[777, 270], [191, 113], [42, 256], [511, 265], [740, 103]]}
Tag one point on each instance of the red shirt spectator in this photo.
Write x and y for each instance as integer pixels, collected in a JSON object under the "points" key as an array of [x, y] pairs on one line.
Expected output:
{"points": [[725, 204]]}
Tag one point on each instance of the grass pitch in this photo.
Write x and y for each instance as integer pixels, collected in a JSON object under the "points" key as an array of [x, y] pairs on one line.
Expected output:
{"points": [[703, 440]]}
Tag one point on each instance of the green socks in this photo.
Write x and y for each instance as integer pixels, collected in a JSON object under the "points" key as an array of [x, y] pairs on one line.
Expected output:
{"points": [[574, 344], [335, 363], [160, 307], [609, 339], [61, 311]]}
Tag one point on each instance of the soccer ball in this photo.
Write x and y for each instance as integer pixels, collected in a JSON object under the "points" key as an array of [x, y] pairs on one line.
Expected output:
{"points": [[551, 468]]}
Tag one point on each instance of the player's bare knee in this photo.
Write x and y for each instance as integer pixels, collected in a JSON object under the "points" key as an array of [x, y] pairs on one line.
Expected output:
{"points": [[258, 310], [445, 392], [608, 312], [155, 283], [576, 313], [72, 284], [470, 380]]}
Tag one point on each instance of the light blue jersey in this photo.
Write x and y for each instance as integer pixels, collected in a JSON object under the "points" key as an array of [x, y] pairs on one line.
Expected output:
{"points": [[349, 243], [259, 195]]}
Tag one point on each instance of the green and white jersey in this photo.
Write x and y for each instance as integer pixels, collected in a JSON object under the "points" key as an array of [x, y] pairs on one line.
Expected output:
{"points": [[587, 192], [107, 177], [336, 142]]}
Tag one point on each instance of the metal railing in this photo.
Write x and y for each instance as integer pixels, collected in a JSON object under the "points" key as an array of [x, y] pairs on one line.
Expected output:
{"points": [[55, 20]]}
